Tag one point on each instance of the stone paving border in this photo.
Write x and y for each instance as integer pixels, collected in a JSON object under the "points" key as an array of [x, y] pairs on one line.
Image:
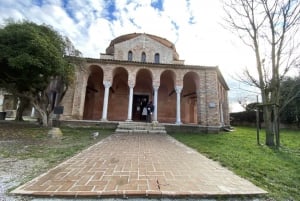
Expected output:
{"points": [[139, 165]]}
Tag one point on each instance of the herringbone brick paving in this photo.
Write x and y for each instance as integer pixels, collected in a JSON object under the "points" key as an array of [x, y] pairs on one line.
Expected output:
{"points": [[143, 165]]}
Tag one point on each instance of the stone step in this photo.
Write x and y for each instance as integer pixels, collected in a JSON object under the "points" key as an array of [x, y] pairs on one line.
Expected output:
{"points": [[141, 131], [140, 127], [134, 124]]}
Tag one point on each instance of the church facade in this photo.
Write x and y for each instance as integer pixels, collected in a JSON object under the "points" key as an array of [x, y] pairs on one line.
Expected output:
{"points": [[138, 68]]}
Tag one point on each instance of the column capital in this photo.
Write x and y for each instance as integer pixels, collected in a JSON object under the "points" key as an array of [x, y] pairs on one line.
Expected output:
{"points": [[155, 87], [107, 84], [131, 85], [131, 82], [178, 89]]}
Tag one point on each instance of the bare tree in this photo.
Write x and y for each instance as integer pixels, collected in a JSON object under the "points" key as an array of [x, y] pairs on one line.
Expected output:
{"points": [[269, 28]]}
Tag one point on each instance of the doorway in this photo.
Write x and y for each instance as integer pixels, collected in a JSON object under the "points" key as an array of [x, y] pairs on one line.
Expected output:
{"points": [[139, 102]]}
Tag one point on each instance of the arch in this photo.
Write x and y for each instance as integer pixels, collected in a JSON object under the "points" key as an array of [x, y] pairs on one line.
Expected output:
{"points": [[118, 96], [193, 76], [143, 92], [189, 101], [144, 76], [167, 97], [119, 71], [143, 57], [156, 58], [93, 103]]}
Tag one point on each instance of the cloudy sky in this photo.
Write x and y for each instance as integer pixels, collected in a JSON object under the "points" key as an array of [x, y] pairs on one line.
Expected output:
{"points": [[194, 26]]}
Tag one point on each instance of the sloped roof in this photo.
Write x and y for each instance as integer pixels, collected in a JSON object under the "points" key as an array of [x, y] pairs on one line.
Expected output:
{"points": [[163, 41]]}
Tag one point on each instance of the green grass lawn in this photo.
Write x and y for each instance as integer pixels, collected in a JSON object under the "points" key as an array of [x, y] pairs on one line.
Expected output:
{"points": [[275, 170], [27, 141], [34, 142]]}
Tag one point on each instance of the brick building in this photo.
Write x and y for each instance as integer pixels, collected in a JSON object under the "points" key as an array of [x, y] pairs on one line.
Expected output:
{"points": [[140, 66]]}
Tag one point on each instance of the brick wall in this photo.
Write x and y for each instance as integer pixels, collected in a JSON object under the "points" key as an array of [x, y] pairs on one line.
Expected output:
{"points": [[203, 96]]}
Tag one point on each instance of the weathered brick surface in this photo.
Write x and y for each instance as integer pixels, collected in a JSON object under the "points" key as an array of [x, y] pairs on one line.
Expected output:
{"points": [[139, 165]]}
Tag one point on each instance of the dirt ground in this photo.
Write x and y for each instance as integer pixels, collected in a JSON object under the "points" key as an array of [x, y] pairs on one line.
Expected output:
{"points": [[13, 170]]}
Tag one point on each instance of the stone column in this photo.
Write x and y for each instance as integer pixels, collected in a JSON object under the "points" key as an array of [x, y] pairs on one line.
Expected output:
{"points": [[107, 85], [178, 92], [130, 102], [155, 103]]}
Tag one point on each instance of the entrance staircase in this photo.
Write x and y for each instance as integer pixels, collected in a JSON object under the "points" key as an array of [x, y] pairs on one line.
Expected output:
{"points": [[140, 127]]}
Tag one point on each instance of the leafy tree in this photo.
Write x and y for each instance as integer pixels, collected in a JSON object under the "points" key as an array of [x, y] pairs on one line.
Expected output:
{"points": [[270, 29], [290, 100], [33, 65]]}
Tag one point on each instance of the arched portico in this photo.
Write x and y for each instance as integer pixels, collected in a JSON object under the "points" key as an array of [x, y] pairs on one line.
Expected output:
{"points": [[118, 95], [142, 93], [189, 98], [167, 97], [112, 87], [93, 102]]}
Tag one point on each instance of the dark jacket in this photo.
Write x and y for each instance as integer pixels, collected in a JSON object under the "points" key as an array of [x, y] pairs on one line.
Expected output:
{"points": [[150, 108]]}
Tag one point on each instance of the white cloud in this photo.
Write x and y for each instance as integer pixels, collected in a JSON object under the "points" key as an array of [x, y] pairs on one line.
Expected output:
{"points": [[194, 26], [97, 38], [236, 107]]}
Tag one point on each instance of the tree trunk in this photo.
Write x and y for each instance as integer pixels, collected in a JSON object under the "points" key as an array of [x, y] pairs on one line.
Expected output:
{"points": [[45, 119], [269, 126], [43, 115], [24, 102]]}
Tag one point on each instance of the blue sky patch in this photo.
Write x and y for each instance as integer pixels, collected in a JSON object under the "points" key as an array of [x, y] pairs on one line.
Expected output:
{"points": [[67, 8], [158, 4], [111, 8], [37, 2]]}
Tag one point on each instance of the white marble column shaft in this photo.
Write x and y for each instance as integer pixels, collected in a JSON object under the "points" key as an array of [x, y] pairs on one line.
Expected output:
{"points": [[178, 116], [155, 103], [130, 102], [107, 85]]}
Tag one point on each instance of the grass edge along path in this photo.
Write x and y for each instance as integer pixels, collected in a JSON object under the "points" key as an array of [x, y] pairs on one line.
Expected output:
{"points": [[33, 142], [275, 170]]}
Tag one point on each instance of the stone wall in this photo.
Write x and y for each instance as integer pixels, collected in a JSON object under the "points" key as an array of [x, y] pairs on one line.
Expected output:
{"points": [[141, 44]]}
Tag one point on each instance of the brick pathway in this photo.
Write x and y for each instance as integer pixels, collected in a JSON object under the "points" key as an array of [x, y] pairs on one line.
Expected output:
{"points": [[140, 165]]}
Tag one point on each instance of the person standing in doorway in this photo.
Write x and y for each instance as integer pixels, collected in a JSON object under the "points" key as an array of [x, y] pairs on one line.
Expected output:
{"points": [[143, 109], [150, 109]]}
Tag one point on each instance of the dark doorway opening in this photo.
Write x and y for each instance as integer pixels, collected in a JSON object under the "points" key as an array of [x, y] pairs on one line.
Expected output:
{"points": [[139, 102]]}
